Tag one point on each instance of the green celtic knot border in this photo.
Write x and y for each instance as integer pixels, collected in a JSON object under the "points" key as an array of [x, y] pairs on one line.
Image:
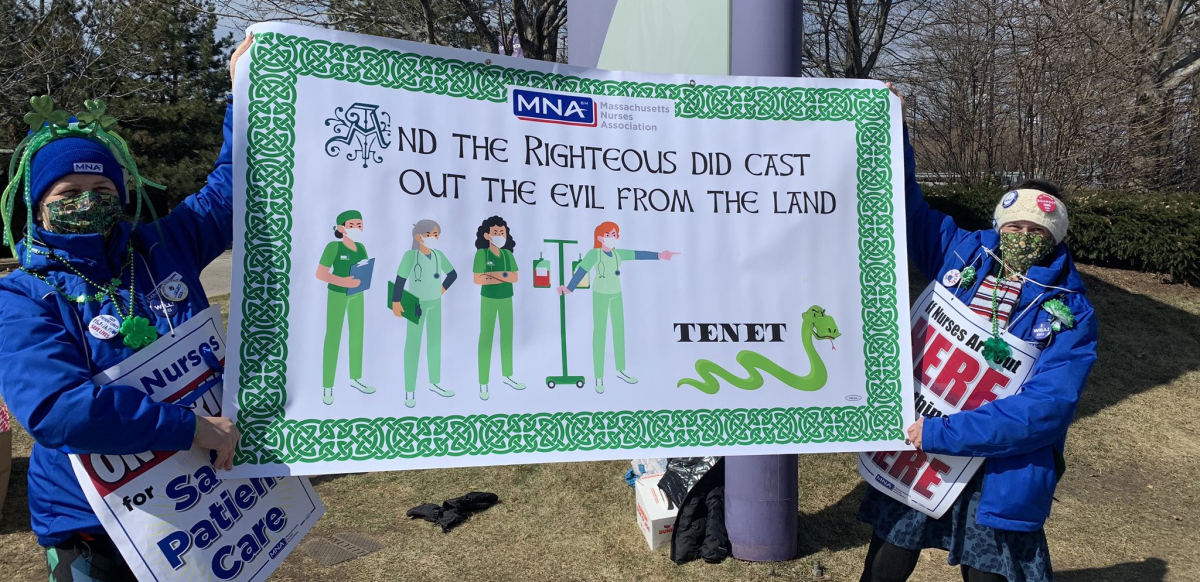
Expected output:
{"points": [[269, 437]]}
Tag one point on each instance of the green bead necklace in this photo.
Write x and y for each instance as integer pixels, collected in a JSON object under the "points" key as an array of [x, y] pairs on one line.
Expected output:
{"points": [[136, 332], [995, 350]]}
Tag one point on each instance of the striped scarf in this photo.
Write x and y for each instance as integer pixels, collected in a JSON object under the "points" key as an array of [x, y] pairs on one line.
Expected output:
{"points": [[1007, 296]]}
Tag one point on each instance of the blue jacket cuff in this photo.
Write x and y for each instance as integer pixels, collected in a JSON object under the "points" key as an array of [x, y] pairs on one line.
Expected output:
{"points": [[933, 435], [181, 438]]}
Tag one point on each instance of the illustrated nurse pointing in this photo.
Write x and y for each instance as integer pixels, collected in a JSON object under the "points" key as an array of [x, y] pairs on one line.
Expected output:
{"points": [[606, 299]]}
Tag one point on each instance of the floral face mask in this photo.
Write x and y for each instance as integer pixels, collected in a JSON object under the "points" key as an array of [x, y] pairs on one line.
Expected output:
{"points": [[91, 212], [1022, 250]]}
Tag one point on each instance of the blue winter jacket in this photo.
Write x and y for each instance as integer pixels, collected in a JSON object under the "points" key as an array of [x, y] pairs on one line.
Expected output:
{"points": [[50, 357], [1023, 435]]}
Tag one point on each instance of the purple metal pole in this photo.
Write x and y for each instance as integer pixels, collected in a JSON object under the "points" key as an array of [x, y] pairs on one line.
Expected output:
{"points": [[761, 496], [587, 23], [761, 492]]}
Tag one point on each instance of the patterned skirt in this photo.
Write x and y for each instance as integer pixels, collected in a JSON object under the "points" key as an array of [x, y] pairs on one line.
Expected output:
{"points": [[1017, 555]]}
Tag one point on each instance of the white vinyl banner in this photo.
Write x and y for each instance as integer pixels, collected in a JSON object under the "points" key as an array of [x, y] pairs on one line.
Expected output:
{"points": [[951, 375], [169, 513], [449, 258]]}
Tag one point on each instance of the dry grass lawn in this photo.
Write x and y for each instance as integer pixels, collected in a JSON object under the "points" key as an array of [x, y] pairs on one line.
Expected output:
{"points": [[1128, 506]]}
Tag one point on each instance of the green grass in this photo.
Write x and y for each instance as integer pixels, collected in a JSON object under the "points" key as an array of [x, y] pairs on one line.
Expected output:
{"points": [[1128, 507]]}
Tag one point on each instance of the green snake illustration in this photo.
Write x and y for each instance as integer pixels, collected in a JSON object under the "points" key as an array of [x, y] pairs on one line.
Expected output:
{"points": [[815, 324]]}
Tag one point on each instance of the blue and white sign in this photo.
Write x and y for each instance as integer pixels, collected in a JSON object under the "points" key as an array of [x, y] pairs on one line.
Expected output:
{"points": [[172, 516]]}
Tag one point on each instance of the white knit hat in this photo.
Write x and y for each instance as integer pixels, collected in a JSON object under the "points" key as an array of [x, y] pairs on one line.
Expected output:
{"points": [[1034, 206]]}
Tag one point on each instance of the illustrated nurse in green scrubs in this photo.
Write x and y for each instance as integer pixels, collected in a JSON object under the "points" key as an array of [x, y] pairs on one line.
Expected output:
{"points": [[495, 271], [334, 269], [607, 304], [427, 274]]}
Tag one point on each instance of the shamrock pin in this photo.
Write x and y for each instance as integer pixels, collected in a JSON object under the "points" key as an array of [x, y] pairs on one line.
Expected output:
{"points": [[137, 332], [44, 112], [968, 276], [1063, 318], [95, 115], [996, 351]]}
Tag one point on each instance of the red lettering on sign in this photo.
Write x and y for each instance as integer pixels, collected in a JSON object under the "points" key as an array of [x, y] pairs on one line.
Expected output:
{"points": [[984, 391], [958, 374], [931, 360], [907, 465], [918, 334], [883, 458], [932, 477], [111, 472], [950, 372]]}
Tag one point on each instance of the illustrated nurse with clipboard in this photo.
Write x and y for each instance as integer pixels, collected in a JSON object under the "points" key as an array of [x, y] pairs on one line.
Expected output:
{"points": [[340, 262]]}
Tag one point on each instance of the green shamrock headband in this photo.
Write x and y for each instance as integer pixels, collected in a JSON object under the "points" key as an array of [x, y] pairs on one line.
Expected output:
{"points": [[47, 124]]}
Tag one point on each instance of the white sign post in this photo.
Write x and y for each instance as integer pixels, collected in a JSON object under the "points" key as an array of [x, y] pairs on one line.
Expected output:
{"points": [[734, 248]]}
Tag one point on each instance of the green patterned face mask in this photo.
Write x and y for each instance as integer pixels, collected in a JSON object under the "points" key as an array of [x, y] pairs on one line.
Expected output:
{"points": [[1022, 250], [91, 212]]}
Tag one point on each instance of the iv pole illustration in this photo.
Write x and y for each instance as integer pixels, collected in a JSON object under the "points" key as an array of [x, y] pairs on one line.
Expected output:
{"points": [[566, 378]]}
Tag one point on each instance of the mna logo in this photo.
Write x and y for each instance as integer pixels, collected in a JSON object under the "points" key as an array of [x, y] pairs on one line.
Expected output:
{"points": [[554, 108], [89, 168]]}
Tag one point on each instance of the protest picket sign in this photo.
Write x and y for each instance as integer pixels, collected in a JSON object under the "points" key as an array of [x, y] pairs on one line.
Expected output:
{"points": [[951, 375], [449, 258], [172, 516]]}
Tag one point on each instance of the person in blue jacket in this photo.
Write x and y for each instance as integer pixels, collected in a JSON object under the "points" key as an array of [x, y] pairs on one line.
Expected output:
{"points": [[93, 287], [1019, 275]]}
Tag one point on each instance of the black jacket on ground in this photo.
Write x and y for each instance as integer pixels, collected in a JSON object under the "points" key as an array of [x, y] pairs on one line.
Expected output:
{"points": [[700, 526]]}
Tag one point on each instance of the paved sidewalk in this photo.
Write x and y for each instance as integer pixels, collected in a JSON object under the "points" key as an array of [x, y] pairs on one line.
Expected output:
{"points": [[217, 276]]}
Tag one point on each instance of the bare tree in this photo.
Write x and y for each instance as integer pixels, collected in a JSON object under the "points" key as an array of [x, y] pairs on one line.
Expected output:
{"points": [[1086, 93], [850, 38], [1165, 35], [540, 25]]}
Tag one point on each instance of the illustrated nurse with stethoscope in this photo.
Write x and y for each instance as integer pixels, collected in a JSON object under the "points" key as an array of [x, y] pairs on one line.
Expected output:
{"points": [[607, 303], [495, 271], [426, 273]]}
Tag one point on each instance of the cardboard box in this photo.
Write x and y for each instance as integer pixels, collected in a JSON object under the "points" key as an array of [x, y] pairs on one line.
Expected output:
{"points": [[655, 518]]}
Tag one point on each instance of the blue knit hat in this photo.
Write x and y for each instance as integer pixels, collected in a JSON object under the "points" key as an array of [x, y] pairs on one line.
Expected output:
{"points": [[72, 155]]}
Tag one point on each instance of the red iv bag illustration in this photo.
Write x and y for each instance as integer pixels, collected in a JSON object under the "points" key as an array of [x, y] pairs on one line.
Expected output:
{"points": [[541, 273]]}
